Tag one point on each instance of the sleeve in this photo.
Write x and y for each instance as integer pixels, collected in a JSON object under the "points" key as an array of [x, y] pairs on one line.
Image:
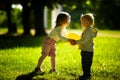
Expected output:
{"points": [[64, 32], [86, 36], [95, 31], [60, 35]]}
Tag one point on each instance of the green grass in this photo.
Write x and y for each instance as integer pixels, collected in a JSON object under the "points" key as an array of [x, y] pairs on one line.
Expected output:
{"points": [[20, 55]]}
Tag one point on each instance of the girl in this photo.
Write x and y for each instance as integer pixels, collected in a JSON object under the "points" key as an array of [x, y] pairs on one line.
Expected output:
{"points": [[48, 48]]}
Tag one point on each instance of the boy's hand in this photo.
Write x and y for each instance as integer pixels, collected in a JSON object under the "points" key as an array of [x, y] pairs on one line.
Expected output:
{"points": [[72, 41]]}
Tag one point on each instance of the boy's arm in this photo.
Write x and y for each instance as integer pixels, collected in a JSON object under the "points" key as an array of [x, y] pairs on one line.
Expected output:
{"points": [[85, 38]]}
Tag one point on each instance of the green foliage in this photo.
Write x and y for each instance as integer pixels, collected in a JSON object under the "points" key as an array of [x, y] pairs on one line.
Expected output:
{"points": [[2, 17], [17, 16], [105, 11], [19, 55]]}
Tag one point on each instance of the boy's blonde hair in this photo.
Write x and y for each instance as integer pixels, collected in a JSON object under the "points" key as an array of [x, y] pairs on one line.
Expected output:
{"points": [[62, 18], [89, 17]]}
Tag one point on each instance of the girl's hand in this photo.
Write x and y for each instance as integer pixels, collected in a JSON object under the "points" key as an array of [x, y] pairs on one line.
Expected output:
{"points": [[72, 41]]}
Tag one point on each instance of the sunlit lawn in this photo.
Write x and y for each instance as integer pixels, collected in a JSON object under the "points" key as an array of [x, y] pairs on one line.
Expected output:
{"points": [[20, 55]]}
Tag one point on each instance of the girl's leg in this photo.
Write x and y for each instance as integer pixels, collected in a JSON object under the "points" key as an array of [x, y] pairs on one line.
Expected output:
{"points": [[45, 51], [43, 56], [53, 62], [52, 54]]}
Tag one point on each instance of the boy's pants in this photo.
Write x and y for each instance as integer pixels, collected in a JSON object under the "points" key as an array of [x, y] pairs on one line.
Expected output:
{"points": [[86, 62]]}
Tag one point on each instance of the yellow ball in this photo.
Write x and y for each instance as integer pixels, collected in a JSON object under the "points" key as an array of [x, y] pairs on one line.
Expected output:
{"points": [[74, 36]]}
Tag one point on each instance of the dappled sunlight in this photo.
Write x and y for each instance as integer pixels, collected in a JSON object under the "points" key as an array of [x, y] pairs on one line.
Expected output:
{"points": [[17, 6], [104, 33]]}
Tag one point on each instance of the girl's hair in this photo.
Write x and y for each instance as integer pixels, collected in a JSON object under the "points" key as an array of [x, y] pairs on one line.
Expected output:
{"points": [[89, 17], [63, 18]]}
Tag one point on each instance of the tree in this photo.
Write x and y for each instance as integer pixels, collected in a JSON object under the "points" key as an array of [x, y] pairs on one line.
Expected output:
{"points": [[25, 17], [38, 8], [6, 6]]}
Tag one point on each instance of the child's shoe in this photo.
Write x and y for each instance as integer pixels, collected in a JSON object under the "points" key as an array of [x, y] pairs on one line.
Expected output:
{"points": [[38, 71], [83, 77], [54, 71]]}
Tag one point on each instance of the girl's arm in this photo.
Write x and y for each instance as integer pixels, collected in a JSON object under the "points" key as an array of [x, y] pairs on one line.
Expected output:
{"points": [[60, 35]]}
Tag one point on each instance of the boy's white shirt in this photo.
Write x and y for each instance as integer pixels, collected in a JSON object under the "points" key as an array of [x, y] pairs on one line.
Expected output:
{"points": [[86, 42], [58, 34]]}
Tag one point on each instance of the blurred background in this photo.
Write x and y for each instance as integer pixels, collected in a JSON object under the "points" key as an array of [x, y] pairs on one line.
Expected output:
{"points": [[40, 15], [23, 24]]}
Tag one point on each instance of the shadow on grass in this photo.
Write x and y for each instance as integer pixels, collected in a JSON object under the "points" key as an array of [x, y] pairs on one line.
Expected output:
{"points": [[29, 76], [7, 42]]}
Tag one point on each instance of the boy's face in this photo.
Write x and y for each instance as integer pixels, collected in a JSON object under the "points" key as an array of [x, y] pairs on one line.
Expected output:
{"points": [[84, 22]]}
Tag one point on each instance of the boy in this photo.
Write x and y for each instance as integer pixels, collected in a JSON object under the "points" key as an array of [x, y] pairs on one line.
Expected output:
{"points": [[86, 44]]}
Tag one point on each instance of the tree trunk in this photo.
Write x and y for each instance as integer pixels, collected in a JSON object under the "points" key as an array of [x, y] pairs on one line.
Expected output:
{"points": [[9, 22], [25, 18], [11, 26], [39, 20]]}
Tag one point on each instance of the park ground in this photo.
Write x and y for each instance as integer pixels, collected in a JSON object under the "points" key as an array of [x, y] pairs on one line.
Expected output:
{"points": [[19, 56]]}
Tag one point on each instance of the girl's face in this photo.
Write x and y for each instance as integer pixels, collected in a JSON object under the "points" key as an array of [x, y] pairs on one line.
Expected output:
{"points": [[66, 23], [84, 22]]}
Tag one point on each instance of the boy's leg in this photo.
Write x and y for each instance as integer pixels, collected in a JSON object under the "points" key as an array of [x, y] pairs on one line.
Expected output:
{"points": [[86, 62]]}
